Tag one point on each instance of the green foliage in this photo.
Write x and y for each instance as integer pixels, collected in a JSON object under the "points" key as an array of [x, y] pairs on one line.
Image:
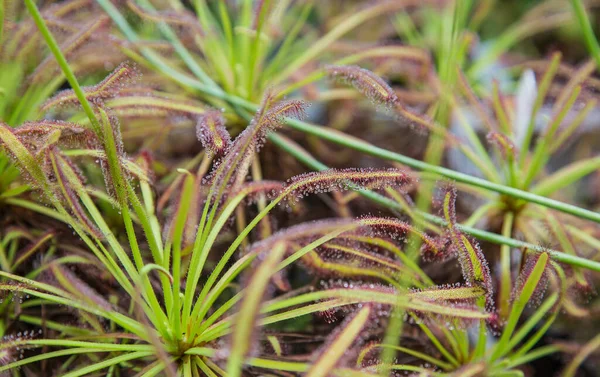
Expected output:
{"points": [[162, 260]]}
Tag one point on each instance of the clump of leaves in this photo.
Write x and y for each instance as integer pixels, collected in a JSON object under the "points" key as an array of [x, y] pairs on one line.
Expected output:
{"points": [[520, 158], [476, 349], [171, 315], [169, 325]]}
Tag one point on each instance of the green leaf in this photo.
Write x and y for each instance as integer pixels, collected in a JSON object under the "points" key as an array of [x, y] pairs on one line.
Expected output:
{"points": [[340, 344], [244, 324], [526, 286], [22, 156]]}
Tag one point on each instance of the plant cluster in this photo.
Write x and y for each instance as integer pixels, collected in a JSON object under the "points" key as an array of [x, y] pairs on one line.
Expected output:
{"points": [[158, 217]]}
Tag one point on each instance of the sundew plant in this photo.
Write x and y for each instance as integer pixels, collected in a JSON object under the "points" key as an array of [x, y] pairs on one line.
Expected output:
{"points": [[167, 208]]}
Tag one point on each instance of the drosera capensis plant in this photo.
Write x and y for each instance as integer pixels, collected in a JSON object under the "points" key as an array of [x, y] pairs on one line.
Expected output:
{"points": [[181, 327], [466, 352], [379, 92], [320, 132], [516, 342], [523, 161], [190, 294]]}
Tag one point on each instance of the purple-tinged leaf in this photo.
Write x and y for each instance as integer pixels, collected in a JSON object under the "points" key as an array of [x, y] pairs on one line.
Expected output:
{"points": [[503, 143], [122, 76], [366, 82], [211, 131], [298, 233], [80, 289], [343, 179], [472, 261], [532, 279], [537, 285], [32, 166], [438, 249], [39, 135], [232, 169], [13, 344], [277, 113], [70, 184], [395, 229], [253, 190]]}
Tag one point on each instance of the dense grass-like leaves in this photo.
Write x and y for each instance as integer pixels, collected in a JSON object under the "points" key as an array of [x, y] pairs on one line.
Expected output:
{"points": [[178, 262]]}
